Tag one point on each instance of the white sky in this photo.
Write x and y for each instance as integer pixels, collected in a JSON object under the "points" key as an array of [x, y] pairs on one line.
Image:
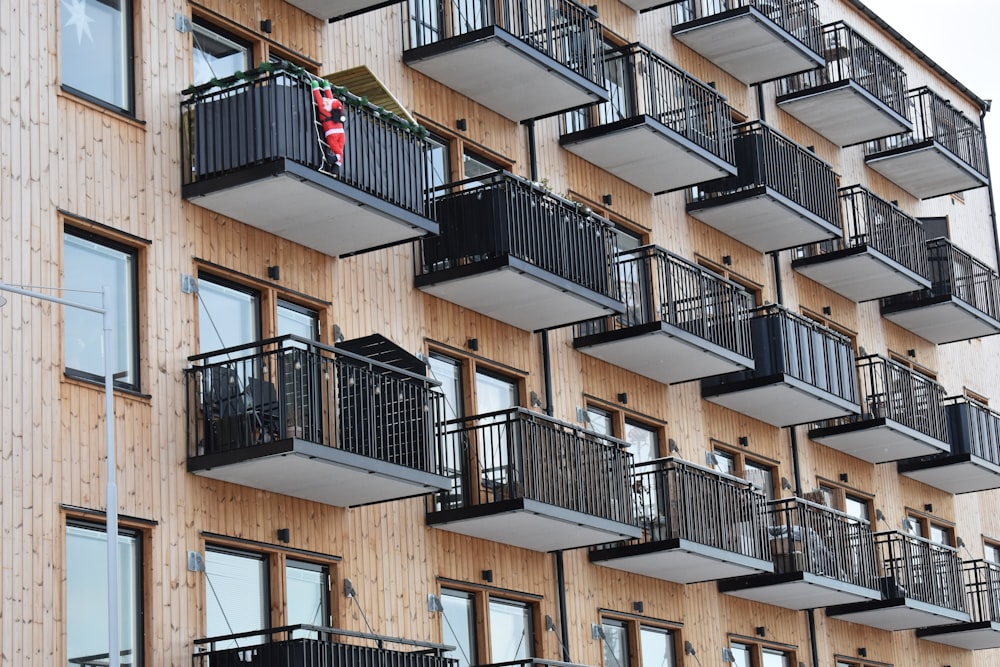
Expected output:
{"points": [[963, 37]]}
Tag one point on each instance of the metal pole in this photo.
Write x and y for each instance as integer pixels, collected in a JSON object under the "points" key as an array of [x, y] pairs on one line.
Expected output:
{"points": [[107, 311]]}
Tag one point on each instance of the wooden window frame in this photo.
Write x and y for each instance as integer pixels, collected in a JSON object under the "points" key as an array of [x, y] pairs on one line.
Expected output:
{"points": [[633, 629], [481, 597], [740, 456], [757, 647]]}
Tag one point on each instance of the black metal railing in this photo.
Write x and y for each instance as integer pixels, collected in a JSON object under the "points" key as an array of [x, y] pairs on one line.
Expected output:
{"points": [[871, 221], [890, 390], [315, 646], [657, 285], [642, 83], [766, 158], [982, 590], [675, 499], [807, 537], [101, 660], [973, 428], [786, 343], [935, 119], [564, 30], [290, 387], [502, 215], [271, 116], [954, 272], [517, 453], [799, 18], [849, 56], [916, 568]]}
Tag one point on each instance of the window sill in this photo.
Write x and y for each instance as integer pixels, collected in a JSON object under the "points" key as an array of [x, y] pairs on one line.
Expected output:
{"points": [[96, 105], [80, 380]]}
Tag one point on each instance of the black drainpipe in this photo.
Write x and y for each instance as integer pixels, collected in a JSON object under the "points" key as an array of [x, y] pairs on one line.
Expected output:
{"points": [[761, 110]]}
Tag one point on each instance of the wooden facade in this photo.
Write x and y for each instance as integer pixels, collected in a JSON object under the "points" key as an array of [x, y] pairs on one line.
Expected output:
{"points": [[70, 161]]}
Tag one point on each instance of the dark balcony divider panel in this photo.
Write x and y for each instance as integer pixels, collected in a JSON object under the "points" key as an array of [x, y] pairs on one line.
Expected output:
{"points": [[916, 568], [974, 429], [510, 217], [272, 118], [517, 453], [982, 590]]}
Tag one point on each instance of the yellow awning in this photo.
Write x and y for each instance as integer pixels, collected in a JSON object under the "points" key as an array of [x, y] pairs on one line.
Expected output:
{"points": [[362, 82]]}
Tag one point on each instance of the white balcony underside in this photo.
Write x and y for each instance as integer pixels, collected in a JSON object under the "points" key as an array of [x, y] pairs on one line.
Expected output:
{"points": [[901, 614], [308, 214], [504, 79], [863, 277], [890, 441], [847, 115], [945, 322], [648, 159], [808, 592], [784, 404], [666, 358], [971, 637], [966, 477], [520, 299], [749, 47], [764, 223], [690, 563], [328, 9], [926, 172]]}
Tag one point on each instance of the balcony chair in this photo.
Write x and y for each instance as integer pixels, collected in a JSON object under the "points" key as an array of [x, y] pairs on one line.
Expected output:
{"points": [[224, 409], [262, 403]]}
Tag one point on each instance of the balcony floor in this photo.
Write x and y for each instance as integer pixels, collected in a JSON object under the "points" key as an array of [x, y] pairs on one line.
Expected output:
{"points": [[968, 636], [646, 153], [748, 45], [796, 590], [764, 220], [779, 400], [896, 614], [860, 273], [502, 73], [961, 473], [308, 207], [331, 9], [926, 170], [531, 525], [518, 293], [941, 320], [845, 113], [680, 561], [878, 440], [328, 475], [662, 352]]}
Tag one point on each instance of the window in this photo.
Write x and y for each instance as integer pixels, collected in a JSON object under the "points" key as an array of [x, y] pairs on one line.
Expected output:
{"points": [[87, 592], [474, 166], [616, 653], [932, 528], [847, 501], [96, 50], [308, 591], [218, 54], [228, 314], [991, 552], [439, 161], [297, 320], [510, 630], [459, 627], [750, 654], [756, 290], [637, 643], [506, 636], [91, 263], [600, 420], [759, 472]]}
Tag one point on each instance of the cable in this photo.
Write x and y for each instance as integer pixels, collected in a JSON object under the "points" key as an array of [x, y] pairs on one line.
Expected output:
{"points": [[221, 608], [461, 648]]}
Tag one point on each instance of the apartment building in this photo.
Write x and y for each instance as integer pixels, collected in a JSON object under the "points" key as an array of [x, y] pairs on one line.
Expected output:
{"points": [[642, 334]]}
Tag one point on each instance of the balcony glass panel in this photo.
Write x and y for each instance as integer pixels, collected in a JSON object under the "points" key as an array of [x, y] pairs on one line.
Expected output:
{"points": [[517, 453], [974, 429], [916, 568]]}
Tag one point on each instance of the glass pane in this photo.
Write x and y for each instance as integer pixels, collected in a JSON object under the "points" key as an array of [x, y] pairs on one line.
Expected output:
{"points": [[742, 655], [615, 644], [87, 594], [775, 658], [762, 477], [459, 626], [235, 596], [96, 49], [448, 372], [510, 630], [494, 394], [308, 595], [226, 316], [217, 55], [600, 421], [725, 462], [940, 534], [644, 442], [297, 321], [89, 265], [856, 507], [439, 161], [474, 166], [991, 552], [657, 647]]}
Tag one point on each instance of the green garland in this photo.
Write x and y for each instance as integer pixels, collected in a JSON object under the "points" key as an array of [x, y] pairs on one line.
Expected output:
{"points": [[300, 73]]}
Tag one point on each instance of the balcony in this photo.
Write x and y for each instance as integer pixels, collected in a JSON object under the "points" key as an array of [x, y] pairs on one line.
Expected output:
{"points": [[859, 96], [882, 251], [330, 10], [313, 646], [754, 40], [523, 59], [945, 153], [921, 585], [518, 253], [804, 372], [902, 415], [963, 301], [250, 152], [525, 479], [982, 601], [973, 463], [661, 130], [697, 525], [326, 424], [784, 196], [822, 557], [681, 322]]}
